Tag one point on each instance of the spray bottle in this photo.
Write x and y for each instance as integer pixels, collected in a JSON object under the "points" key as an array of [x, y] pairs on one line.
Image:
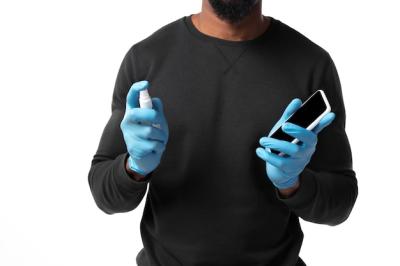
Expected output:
{"points": [[145, 102]]}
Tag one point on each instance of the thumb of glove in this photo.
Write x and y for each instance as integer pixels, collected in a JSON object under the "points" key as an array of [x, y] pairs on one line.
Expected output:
{"points": [[292, 107]]}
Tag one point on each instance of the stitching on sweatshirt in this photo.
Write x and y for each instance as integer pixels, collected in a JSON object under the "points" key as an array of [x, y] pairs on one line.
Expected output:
{"points": [[230, 64]]}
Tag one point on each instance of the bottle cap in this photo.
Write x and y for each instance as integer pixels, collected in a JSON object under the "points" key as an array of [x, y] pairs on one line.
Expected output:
{"points": [[144, 99]]}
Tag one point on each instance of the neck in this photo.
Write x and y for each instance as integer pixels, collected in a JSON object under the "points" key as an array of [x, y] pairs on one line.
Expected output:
{"points": [[248, 28]]}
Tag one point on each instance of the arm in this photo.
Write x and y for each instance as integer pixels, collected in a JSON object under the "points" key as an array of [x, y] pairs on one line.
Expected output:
{"points": [[287, 192], [116, 188], [328, 187]]}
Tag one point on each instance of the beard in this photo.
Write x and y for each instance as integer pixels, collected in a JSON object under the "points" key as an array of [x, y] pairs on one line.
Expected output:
{"points": [[232, 11]]}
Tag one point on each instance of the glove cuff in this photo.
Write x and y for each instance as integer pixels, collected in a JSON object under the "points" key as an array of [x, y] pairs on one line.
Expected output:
{"points": [[288, 184], [132, 165]]}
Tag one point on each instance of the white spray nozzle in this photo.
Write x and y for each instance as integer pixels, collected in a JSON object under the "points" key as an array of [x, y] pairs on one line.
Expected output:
{"points": [[145, 100]]}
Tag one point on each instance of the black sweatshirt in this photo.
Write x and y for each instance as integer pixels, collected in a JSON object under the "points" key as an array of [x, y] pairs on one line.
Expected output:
{"points": [[210, 201]]}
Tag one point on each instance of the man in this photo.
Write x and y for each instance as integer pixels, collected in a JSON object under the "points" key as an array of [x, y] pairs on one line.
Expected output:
{"points": [[217, 195]]}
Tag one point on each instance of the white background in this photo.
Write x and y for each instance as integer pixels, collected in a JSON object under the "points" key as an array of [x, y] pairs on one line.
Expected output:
{"points": [[58, 64]]}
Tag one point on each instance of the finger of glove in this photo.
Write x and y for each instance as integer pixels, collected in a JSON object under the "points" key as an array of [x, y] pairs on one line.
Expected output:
{"points": [[325, 121], [292, 107], [154, 146], [132, 98], [306, 136], [145, 147], [159, 147], [261, 153], [286, 147], [158, 105], [148, 132], [137, 115], [275, 160]]}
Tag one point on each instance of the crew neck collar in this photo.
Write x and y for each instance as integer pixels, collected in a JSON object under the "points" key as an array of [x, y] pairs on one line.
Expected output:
{"points": [[194, 31]]}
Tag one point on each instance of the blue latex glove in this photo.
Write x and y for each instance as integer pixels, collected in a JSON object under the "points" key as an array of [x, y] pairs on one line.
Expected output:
{"points": [[145, 143], [284, 171]]}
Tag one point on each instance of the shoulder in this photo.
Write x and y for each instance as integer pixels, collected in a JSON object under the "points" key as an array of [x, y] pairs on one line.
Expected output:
{"points": [[155, 48], [297, 43], [161, 39]]}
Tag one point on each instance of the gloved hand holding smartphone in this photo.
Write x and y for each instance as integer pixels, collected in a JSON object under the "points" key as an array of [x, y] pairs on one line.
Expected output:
{"points": [[145, 142], [283, 169]]}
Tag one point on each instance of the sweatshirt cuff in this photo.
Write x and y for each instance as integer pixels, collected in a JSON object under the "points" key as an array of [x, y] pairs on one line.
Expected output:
{"points": [[124, 179], [304, 195]]}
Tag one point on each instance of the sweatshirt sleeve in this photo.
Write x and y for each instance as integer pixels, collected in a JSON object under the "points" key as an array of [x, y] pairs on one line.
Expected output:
{"points": [[112, 187], [328, 185]]}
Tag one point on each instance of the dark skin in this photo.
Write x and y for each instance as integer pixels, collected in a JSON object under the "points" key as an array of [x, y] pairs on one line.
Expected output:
{"points": [[250, 27]]}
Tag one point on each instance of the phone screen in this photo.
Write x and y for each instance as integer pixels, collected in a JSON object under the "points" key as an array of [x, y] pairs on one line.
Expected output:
{"points": [[304, 116]]}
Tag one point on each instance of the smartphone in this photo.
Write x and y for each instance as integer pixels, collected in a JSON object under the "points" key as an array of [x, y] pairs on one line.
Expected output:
{"points": [[307, 116]]}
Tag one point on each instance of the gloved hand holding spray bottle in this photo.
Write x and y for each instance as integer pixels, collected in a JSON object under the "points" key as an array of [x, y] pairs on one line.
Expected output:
{"points": [[144, 128]]}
